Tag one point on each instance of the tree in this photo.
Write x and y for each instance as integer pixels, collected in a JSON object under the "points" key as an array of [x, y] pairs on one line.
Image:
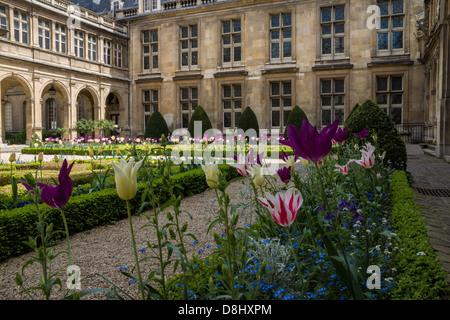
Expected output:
{"points": [[248, 120], [105, 126], [369, 115], [156, 126], [84, 126], [296, 117], [199, 114]]}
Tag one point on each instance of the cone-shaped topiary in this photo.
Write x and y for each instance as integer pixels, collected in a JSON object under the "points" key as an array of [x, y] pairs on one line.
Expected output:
{"points": [[156, 126], [248, 120], [296, 117], [199, 114], [369, 115]]}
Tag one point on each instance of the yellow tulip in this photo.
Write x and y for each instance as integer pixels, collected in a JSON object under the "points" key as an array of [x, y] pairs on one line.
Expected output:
{"points": [[257, 173], [91, 153], [12, 157], [125, 174], [304, 162], [40, 156], [211, 174], [290, 162]]}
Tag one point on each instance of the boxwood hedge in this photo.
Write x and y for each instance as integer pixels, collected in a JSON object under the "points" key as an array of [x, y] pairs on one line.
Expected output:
{"points": [[86, 211]]}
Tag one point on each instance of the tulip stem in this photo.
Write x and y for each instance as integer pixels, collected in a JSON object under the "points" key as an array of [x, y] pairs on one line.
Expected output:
{"points": [[297, 265], [141, 286], [67, 237]]}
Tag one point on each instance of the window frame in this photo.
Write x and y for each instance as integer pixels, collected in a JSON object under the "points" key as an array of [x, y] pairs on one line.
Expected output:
{"points": [[152, 54], [79, 44], [281, 38], [281, 108], [332, 94], [190, 101], [389, 106], [59, 43], [232, 45], [390, 30], [152, 102], [333, 35], [232, 99], [107, 47], [4, 17], [44, 34], [92, 47], [21, 34], [118, 55], [190, 50]]}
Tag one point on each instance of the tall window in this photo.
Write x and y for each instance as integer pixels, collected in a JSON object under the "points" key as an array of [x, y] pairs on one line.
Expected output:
{"points": [[390, 96], [92, 47], [332, 100], [332, 31], [20, 27], [391, 32], [150, 50], [118, 55], [281, 102], [231, 41], [8, 117], [79, 44], [60, 38], [154, 4], [232, 104], [146, 5], [44, 31], [188, 102], [189, 46], [52, 122], [3, 19], [107, 51], [150, 101], [281, 37]]}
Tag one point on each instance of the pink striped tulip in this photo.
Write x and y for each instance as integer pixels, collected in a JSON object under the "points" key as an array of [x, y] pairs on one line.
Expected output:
{"points": [[343, 169], [283, 206], [368, 156]]}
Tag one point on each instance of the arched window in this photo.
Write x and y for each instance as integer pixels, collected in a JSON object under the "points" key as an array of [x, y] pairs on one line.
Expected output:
{"points": [[52, 116]]}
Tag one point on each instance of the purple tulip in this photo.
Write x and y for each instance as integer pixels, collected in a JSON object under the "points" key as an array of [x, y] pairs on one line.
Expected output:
{"points": [[308, 143], [284, 174], [362, 134], [339, 136], [57, 196]]}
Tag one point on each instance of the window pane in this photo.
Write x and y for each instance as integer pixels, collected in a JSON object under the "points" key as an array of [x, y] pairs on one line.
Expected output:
{"points": [[287, 102], [326, 46], [325, 86], [275, 50], [287, 33], [397, 40], [326, 29], [275, 34], [275, 118], [226, 27], [226, 54], [326, 101], [382, 84], [185, 94], [384, 7], [185, 106], [383, 41], [275, 103], [227, 119], [237, 38], [339, 114], [155, 62], [339, 13], [397, 22], [237, 115], [237, 91], [227, 91], [287, 88], [326, 15], [326, 117], [275, 86], [226, 39], [184, 32], [382, 99], [384, 23], [396, 99], [237, 104], [286, 19], [338, 100], [185, 120], [185, 44], [287, 50], [237, 25], [194, 44], [397, 83], [339, 86], [285, 117], [194, 31], [237, 53], [227, 104], [184, 59], [194, 93], [339, 45], [274, 20], [339, 28], [396, 115], [397, 6]]}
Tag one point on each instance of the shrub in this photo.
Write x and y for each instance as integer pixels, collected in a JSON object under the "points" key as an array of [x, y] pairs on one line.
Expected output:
{"points": [[296, 117], [420, 274], [90, 210], [248, 120], [369, 115], [199, 114], [156, 126]]}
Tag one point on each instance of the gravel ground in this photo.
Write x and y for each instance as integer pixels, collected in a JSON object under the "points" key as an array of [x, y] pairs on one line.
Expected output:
{"points": [[103, 250]]}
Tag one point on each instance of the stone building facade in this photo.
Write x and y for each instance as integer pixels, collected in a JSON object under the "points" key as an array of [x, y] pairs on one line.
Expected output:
{"points": [[59, 63], [435, 40], [324, 56]]}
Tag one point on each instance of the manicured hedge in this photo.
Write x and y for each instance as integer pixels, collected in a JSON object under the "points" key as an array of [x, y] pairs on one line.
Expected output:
{"points": [[420, 275], [90, 210]]}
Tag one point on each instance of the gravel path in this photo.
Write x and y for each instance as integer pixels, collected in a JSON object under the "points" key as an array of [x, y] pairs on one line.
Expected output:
{"points": [[103, 250]]}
